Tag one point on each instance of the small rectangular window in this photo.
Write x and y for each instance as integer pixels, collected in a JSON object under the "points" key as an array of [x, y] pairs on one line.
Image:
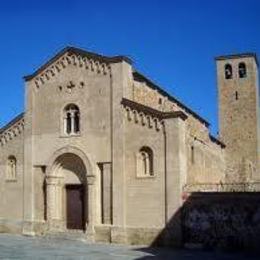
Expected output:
{"points": [[192, 155], [236, 94]]}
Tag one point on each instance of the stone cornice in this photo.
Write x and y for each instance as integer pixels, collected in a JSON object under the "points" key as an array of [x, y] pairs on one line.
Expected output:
{"points": [[151, 111], [217, 141], [239, 56], [222, 187], [74, 56], [60, 62], [12, 129], [147, 116]]}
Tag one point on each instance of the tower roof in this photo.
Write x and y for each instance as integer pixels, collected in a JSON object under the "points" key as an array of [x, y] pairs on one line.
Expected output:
{"points": [[239, 56]]}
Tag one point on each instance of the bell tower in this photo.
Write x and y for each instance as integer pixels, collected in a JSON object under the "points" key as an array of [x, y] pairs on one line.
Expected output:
{"points": [[238, 96]]}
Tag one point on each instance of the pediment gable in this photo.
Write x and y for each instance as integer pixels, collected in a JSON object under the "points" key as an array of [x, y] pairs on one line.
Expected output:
{"points": [[14, 128], [77, 57]]}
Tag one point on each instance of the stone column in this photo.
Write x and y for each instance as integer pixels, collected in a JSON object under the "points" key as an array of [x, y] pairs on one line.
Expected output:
{"points": [[72, 116], [90, 207], [28, 176], [53, 190], [39, 199], [121, 82], [175, 177], [106, 187], [64, 130]]}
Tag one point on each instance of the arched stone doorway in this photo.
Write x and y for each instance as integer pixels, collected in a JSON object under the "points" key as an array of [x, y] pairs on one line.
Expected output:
{"points": [[69, 191]]}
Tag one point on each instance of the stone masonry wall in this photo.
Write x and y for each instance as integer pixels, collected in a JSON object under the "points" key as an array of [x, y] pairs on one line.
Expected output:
{"points": [[11, 203], [145, 195], [207, 164], [239, 117], [222, 220]]}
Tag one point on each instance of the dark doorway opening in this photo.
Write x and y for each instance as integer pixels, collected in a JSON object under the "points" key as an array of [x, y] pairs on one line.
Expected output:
{"points": [[75, 206]]}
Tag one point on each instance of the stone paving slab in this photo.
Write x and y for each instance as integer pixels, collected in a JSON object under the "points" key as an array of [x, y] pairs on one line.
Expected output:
{"points": [[21, 247]]}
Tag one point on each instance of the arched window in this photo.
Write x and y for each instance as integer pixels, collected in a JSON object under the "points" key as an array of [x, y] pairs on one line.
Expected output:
{"points": [[71, 120], [11, 168], [228, 71], [242, 70], [145, 162]]}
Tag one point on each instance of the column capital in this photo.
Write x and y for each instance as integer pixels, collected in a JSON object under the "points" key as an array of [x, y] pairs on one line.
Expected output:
{"points": [[107, 165], [53, 179], [72, 113], [90, 179]]}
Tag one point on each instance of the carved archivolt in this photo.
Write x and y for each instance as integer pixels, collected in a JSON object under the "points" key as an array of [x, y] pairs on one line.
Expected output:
{"points": [[75, 60], [11, 132], [143, 118]]}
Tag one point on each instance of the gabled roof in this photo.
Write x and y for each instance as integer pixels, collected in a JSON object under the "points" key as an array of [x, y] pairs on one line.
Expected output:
{"points": [[106, 59], [12, 122], [77, 51], [163, 115], [139, 77]]}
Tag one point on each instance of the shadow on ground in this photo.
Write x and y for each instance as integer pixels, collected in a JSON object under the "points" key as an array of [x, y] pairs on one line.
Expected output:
{"points": [[225, 221], [184, 254]]}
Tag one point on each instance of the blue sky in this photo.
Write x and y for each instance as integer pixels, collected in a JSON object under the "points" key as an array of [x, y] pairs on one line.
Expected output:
{"points": [[173, 42]]}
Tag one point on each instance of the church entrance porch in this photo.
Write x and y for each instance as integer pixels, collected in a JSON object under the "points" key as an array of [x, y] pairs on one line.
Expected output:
{"points": [[70, 192], [75, 206]]}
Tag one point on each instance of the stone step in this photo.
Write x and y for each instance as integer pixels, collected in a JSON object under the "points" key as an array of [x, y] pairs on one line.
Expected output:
{"points": [[74, 236]]}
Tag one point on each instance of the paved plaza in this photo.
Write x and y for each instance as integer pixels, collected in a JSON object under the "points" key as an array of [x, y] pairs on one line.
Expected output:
{"points": [[21, 247]]}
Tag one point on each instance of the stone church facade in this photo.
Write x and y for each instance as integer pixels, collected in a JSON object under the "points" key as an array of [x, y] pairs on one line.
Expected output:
{"points": [[103, 150]]}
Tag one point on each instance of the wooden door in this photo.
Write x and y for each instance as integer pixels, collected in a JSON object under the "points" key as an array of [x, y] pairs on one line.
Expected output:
{"points": [[75, 206]]}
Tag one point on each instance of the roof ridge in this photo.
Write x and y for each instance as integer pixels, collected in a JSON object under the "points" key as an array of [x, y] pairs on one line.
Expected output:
{"points": [[238, 55], [12, 122], [79, 51], [170, 97]]}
